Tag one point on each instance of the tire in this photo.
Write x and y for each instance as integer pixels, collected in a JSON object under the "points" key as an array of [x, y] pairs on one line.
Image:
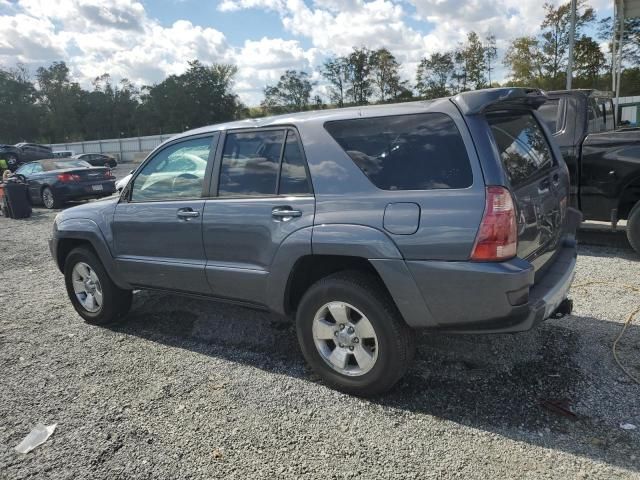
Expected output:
{"points": [[361, 294], [115, 302], [633, 227], [49, 199]]}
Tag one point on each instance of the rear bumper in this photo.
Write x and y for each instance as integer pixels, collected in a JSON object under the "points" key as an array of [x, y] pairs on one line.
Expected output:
{"points": [[501, 297], [82, 190]]}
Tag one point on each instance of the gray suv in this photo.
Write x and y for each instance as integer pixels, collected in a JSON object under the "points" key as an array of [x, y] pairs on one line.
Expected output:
{"points": [[362, 223]]}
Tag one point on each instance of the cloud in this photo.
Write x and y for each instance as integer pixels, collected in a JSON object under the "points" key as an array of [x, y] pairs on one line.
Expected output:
{"points": [[119, 36]]}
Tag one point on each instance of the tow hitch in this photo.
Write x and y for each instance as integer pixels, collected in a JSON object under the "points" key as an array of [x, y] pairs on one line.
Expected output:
{"points": [[565, 308]]}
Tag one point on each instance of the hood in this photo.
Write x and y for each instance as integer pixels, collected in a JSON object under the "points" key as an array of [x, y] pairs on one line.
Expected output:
{"points": [[99, 211]]}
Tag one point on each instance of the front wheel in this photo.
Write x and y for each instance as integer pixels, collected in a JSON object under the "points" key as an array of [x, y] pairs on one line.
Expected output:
{"points": [[633, 227], [91, 291], [352, 334]]}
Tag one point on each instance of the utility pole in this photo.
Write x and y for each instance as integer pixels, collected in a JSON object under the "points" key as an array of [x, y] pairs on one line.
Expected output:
{"points": [[572, 40]]}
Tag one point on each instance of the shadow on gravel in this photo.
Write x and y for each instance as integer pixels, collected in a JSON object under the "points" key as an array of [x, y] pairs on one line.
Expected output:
{"points": [[605, 238], [494, 383]]}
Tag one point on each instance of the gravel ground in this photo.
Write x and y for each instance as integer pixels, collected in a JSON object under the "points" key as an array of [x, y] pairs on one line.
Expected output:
{"points": [[194, 389]]}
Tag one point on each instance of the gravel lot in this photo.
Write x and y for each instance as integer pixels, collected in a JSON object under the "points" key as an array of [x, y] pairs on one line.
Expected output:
{"points": [[193, 389]]}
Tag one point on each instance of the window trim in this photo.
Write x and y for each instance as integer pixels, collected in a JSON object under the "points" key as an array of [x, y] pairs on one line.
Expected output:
{"points": [[125, 197], [466, 149], [214, 187]]}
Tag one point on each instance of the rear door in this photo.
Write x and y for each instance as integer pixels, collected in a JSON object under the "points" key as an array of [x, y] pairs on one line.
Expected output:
{"points": [[158, 228], [262, 194], [538, 181]]}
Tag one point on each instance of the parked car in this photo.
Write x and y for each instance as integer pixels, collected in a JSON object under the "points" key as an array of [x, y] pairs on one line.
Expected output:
{"points": [[120, 184], [363, 223], [20, 153], [604, 162], [63, 153], [97, 159], [55, 181]]}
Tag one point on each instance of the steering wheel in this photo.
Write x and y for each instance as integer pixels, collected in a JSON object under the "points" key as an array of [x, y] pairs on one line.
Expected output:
{"points": [[175, 185]]}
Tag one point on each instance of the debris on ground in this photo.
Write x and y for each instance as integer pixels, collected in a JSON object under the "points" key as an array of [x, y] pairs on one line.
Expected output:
{"points": [[36, 437], [561, 407]]}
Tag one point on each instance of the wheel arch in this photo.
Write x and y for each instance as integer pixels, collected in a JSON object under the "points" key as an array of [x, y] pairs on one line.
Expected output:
{"points": [[629, 196], [84, 232]]}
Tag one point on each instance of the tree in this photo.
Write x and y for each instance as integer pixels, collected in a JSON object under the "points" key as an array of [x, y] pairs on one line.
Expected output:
{"points": [[524, 59], [18, 103], [336, 71], [556, 37], [490, 53], [201, 96], [63, 102], [359, 85], [470, 62], [385, 74], [589, 59], [631, 38], [434, 75], [291, 94]]}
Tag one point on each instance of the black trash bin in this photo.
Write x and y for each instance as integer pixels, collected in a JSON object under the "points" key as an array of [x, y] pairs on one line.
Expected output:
{"points": [[16, 198]]}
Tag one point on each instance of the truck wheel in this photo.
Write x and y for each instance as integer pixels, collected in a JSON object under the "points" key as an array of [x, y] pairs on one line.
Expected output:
{"points": [[352, 334], [49, 200], [633, 227], [92, 292]]}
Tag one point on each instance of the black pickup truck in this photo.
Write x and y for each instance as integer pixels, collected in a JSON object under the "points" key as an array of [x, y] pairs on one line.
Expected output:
{"points": [[603, 161]]}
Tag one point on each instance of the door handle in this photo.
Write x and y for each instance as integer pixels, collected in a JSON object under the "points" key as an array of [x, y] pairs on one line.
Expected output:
{"points": [[285, 213], [187, 213]]}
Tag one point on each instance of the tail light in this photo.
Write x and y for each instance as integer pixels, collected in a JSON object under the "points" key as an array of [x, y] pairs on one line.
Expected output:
{"points": [[108, 174], [68, 177], [497, 237]]}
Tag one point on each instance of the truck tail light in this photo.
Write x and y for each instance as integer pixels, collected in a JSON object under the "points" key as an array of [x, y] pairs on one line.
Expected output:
{"points": [[497, 237], [68, 177]]}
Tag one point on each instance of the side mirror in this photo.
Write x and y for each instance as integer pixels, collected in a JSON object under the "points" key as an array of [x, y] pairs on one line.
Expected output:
{"points": [[132, 170]]}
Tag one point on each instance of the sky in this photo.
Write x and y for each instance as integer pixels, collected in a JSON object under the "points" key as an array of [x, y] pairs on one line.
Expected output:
{"points": [[147, 40]]}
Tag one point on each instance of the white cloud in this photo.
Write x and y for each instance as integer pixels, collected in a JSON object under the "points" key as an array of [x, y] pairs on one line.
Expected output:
{"points": [[119, 37]]}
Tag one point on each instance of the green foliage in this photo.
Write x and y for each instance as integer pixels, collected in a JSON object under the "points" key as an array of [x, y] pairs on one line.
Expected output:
{"points": [[20, 113], [291, 94], [434, 75]]}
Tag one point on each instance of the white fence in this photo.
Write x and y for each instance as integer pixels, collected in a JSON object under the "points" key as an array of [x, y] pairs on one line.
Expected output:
{"points": [[126, 149]]}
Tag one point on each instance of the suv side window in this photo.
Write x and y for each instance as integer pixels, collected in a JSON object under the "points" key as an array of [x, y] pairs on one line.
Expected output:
{"points": [[293, 174], [250, 163], [176, 172], [406, 152]]}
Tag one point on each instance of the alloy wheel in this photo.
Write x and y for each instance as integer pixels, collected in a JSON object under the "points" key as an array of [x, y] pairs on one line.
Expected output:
{"points": [[87, 287], [345, 339]]}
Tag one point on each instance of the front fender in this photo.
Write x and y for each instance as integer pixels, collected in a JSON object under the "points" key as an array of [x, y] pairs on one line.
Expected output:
{"points": [[86, 230]]}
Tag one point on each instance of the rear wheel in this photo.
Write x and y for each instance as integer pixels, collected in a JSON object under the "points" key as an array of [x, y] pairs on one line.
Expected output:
{"points": [[91, 291], [49, 199], [352, 334], [633, 227]]}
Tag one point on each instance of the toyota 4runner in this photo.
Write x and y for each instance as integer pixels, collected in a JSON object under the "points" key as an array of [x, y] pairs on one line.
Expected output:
{"points": [[362, 223]]}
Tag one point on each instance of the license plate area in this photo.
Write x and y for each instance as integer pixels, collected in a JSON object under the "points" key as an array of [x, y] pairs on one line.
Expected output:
{"points": [[96, 188]]}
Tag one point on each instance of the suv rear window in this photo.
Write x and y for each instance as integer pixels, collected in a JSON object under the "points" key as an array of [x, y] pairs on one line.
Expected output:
{"points": [[406, 152], [522, 146]]}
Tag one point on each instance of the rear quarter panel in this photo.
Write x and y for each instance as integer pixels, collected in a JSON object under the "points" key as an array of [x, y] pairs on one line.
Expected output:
{"points": [[448, 219]]}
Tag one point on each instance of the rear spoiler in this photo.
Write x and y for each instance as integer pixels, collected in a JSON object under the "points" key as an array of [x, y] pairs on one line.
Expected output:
{"points": [[480, 101]]}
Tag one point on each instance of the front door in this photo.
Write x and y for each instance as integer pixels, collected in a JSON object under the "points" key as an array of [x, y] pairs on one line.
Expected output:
{"points": [[264, 194], [157, 227]]}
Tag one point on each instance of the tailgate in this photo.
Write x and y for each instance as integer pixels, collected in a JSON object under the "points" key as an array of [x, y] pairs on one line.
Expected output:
{"points": [[539, 182]]}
